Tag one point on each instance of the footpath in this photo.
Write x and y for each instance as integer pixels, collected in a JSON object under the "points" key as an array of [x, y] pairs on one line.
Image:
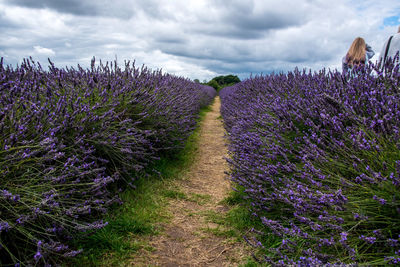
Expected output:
{"points": [[191, 238]]}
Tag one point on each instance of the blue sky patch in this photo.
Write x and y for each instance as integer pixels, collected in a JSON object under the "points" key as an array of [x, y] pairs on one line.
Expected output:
{"points": [[391, 21]]}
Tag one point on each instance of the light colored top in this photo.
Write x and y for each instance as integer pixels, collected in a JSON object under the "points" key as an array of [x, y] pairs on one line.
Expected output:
{"points": [[393, 48]]}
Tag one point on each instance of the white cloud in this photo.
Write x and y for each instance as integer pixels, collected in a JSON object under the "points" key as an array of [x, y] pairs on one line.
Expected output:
{"points": [[44, 51], [172, 64]]}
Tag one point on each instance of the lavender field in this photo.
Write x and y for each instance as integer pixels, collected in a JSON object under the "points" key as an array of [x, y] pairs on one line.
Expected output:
{"points": [[72, 139], [317, 155]]}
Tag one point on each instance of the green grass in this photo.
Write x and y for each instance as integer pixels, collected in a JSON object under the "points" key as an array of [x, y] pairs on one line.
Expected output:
{"points": [[174, 194], [238, 222], [239, 216], [250, 263], [200, 199], [143, 210]]}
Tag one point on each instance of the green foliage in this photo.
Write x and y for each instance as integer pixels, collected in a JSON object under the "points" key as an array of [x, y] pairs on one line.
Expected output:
{"points": [[214, 84], [220, 82], [228, 79]]}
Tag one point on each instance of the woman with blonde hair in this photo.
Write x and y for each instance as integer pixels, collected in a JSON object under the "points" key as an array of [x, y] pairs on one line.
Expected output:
{"points": [[359, 53]]}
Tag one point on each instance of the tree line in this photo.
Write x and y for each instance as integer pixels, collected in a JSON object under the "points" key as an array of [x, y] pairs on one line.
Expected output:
{"points": [[220, 82]]}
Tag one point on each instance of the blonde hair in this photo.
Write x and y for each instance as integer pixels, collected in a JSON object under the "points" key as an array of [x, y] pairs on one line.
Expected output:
{"points": [[356, 53]]}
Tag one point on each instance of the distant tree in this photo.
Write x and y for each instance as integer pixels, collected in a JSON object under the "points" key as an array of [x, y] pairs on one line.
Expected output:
{"points": [[214, 83], [196, 80], [231, 79], [220, 82]]}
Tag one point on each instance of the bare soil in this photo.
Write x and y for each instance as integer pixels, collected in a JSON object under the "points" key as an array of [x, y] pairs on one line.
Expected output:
{"points": [[188, 239]]}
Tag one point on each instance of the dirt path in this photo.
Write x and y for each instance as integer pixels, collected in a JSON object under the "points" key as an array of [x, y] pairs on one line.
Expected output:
{"points": [[190, 238]]}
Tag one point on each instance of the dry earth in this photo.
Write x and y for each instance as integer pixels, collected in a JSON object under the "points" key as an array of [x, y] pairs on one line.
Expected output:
{"points": [[188, 239]]}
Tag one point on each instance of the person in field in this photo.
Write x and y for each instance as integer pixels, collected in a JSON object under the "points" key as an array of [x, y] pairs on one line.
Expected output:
{"points": [[390, 48], [359, 53]]}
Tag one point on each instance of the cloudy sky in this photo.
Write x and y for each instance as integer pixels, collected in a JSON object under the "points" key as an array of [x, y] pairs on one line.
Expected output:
{"points": [[194, 38]]}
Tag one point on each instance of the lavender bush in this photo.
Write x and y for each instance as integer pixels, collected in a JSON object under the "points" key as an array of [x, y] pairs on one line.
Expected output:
{"points": [[70, 138], [318, 155]]}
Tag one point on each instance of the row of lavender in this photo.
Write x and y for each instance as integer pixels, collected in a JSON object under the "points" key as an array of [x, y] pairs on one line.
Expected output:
{"points": [[318, 155], [71, 138]]}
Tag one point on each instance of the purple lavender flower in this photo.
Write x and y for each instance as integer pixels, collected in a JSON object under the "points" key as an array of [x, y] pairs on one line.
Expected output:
{"points": [[71, 133], [37, 256], [343, 237], [307, 149], [4, 226]]}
